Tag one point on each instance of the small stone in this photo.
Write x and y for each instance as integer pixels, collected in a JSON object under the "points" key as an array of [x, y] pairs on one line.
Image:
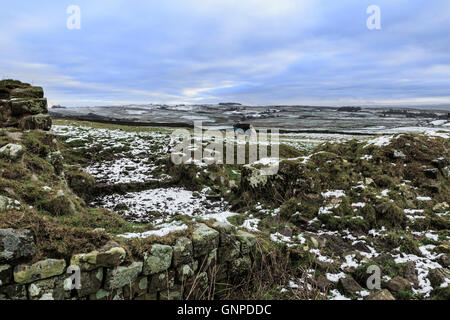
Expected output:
{"points": [[410, 273], [323, 283], [159, 259], [8, 204], [91, 282], [286, 231], [16, 245], [12, 151], [349, 286], [49, 289], [398, 284], [446, 172], [40, 270], [398, 154], [381, 295], [122, 276], [445, 260]]}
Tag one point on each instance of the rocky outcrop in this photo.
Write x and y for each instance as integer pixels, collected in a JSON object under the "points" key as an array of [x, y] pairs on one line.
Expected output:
{"points": [[23, 106], [16, 245]]}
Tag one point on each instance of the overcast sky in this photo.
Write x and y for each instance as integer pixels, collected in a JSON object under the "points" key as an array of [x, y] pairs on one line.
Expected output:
{"points": [[251, 51]]}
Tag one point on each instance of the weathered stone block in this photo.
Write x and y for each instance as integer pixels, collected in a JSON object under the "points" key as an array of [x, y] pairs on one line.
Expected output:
{"points": [[40, 270], [230, 252], [240, 266], [159, 259], [183, 252], [137, 288], [28, 92], [122, 276], [226, 232], [13, 292], [91, 282], [162, 281], [111, 255], [204, 239], [36, 122], [16, 245], [23, 107], [247, 241]]}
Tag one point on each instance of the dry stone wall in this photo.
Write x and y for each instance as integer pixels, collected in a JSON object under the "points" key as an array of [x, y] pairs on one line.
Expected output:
{"points": [[187, 269]]}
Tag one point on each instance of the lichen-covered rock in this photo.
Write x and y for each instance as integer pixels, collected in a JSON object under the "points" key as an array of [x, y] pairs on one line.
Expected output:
{"points": [[240, 267], [162, 281], [349, 286], [398, 284], [7, 204], [159, 259], [123, 275], [381, 295], [109, 256], [441, 207], [102, 294], [247, 241], [186, 271], [183, 252], [13, 292], [91, 282], [439, 276], [136, 289], [197, 287], [27, 273], [204, 239], [253, 178], [22, 107], [12, 151], [50, 289], [16, 245], [36, 122], [5, 274]]}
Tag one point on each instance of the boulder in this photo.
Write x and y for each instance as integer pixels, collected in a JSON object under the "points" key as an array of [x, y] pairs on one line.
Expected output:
{"points": [[23, 107], [349, 286], [16, 245], [35, 122], [398, 284], [204, 239], [12, 151], [7, 204], [123, 275], [27, 273], [381, 295], [109, 256], [183, 252], [159, 259], [438, 276]]}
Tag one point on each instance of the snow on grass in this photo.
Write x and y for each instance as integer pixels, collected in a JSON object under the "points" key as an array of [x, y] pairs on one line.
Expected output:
{"points": [[251, 224], [379, 141], [164, 230], [334, 277], [336, 295], [159, 205], [420, 198], [320, 257], [333, 193]]}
